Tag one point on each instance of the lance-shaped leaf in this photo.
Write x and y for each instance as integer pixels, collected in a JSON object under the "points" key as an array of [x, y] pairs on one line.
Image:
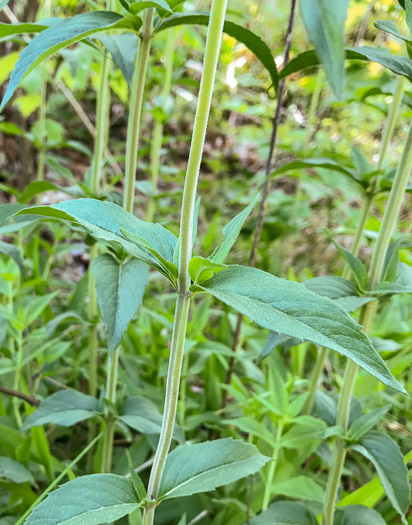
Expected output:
{"points": [[230, 233], [192, 469], [397, 64], [387, 458], [291, 309], [365, 423], [286, 513], [324, 163], [105, 221], [325, 25], [17, 29], [142, 415], [94, 499], [123, 49], [136, 7], [119, 290], [389, 26], [14, 471], [61, 35], [243, 35], [65, 408]]}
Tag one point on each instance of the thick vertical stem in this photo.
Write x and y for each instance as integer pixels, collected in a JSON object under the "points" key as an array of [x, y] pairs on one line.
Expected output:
{"points": [[366, 317], [213, 43], [136, 105], [158, 130]]}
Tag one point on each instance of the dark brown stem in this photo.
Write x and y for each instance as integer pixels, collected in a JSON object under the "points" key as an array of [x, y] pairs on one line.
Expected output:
{"points": [[34, 402], [265, 189]]}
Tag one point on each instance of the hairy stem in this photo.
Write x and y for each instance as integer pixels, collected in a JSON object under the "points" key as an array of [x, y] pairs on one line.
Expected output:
{"points": [[108, 437], [136, 105], [213, 43], [389, 220]]}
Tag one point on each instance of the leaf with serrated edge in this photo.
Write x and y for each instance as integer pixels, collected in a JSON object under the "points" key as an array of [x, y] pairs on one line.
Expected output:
{"points": [[93, 499], [191, 469], [119, 290], [289, 308]]}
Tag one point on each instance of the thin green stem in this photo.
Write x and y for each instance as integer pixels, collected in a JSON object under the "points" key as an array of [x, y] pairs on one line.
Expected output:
{"points": [[136, 105], [158, 130], [366, 317], [272, 467], [213, 43], [93, 335], [107, 454]]}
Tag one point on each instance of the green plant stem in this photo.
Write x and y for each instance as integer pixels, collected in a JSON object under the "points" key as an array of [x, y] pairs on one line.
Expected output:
{"points": [[389, 220], [136, 105], [272, 467], [93, 316], [107, 454], [366, 207], [158, 130], [213, 43]]}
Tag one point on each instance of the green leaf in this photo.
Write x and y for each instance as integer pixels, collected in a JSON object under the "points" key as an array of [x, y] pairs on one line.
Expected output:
{"points": [[300, 487], [167, 268], [387, 458], [105, 220], [254, 43], [142, 415], [136, 7], [201, 467], [14, 471], [3, 4], [286, 513], [251, 426], [119, 290], [88, 500], [389, 26], [64, 408], [407, 4], [390, 267], [339, 289], [324, 163], [365, 423], [37, 305], [384, 288], [201, 269], [123, 49], [137, 482], [358, 268], [17, 29], [289, 308], [304, 428], [397, 64], [325, 26], [230, 233], [14, 253], [360, 162], [61, 35], [358, 515]]}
